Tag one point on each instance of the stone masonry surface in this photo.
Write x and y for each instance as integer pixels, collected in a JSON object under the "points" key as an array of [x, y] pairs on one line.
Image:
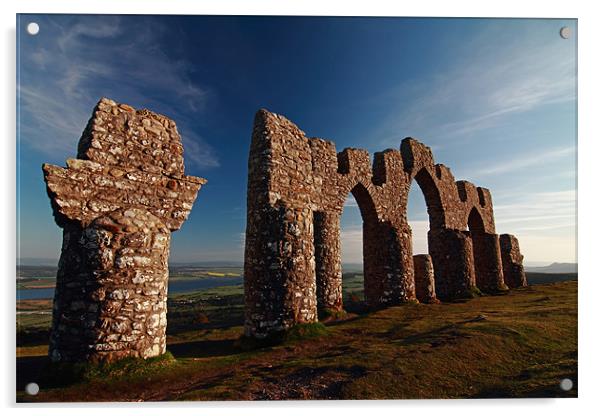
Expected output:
{"points": [[117, 203], [297, 187]]}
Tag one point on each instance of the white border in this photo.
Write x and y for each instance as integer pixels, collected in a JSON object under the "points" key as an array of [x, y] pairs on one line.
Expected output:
{"points": [[590, 289]]}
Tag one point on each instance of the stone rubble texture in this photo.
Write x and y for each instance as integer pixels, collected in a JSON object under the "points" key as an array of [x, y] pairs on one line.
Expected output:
{"points": [[117, 203], [424, 276], [297, 187]]}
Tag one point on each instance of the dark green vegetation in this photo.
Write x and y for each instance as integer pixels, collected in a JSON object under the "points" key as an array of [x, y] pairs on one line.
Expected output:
{"points": [[540, 278], [518, 344]]}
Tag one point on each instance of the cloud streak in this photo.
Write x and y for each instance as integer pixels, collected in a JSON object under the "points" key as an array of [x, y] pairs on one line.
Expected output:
{"points": [[80, 59], [464, 99], [521, 162]]}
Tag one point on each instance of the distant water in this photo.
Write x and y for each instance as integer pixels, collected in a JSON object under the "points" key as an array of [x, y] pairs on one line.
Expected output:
{"points": [[176, 286]]}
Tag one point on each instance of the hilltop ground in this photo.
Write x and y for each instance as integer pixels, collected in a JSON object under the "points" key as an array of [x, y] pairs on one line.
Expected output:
{"points": [[520, 344]]}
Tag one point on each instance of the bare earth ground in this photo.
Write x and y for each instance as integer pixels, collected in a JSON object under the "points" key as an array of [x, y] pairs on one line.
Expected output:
{"points": [[520, 344]]}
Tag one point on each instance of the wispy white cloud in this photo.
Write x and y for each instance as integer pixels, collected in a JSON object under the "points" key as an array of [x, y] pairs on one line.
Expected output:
{"points": [[350, 201], [544, 222], [519, 162], [544, 249], [351, 244], [481, 88], [80, 59], [420, 230]]}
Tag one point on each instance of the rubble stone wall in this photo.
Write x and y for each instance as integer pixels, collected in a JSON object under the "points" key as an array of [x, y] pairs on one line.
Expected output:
{"points": [[512, 261], [424, 274], [297, 188], [117, 203]]}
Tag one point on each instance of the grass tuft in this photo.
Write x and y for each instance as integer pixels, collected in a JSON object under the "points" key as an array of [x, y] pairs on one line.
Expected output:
{"points": [[305, 331], [328, 314], [60, 374], [296, 333]]}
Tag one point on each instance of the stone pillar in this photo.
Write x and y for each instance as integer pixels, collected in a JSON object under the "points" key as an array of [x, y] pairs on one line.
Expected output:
{"points": [[512, 261], [388, 266], [400, 270], [111, 295], [374, 260], [329, 274], [117, 204], [452, 255], [280, 279], [488, 262], [424, 276]]}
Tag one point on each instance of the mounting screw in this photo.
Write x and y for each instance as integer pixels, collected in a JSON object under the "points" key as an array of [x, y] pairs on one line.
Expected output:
{"points": [[33, 28], [565, 32], [566, 384], [32, 389]]}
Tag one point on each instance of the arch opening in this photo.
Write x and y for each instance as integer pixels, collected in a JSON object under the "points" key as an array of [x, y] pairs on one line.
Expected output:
{"points": [[476, 224], [432, 198], [345, 253], [420, 221], [476, 227]]}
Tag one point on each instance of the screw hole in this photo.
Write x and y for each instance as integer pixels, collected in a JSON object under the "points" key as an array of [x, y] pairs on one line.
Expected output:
{"points": [[566, 384], [565, 32], [32, 389], [33, 28]]}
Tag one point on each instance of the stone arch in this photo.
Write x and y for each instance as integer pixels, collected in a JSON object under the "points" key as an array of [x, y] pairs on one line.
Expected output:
{"points": [[432, 197], [423, 275], [365, 202], [475, 221], [327, 249], [286, 254], [487, 261]]}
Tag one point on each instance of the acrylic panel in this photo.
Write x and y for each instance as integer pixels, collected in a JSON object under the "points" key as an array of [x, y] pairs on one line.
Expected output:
{"points": [[291, 207]]}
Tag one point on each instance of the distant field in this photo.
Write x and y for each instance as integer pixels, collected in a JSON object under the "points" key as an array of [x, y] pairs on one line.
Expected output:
{"points": [[39, 277]]}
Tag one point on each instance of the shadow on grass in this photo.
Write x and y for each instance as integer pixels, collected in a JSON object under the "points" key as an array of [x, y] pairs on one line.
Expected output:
{"points": [[322, 383], [31, 370], [205, 348], [436, 337], [32, 336]]}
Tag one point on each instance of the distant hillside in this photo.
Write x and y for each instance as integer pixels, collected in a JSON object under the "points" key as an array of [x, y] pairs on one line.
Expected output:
{"points": [[544, 278], [554, 268]]}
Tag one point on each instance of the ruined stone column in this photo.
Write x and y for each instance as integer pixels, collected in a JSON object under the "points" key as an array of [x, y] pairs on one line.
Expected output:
{"points": [[385, 273], [329, 273], [512, 261], [452, 255], [488, 262], [117, 204], [390, 259], [424, 275], [405, 262], [111, 293], [283, 271]]}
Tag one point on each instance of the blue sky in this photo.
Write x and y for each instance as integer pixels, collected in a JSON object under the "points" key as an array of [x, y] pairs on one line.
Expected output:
{"points": [[494, 98]]}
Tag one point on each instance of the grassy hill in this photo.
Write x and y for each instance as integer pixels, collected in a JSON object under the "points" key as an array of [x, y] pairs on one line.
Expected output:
{"points": [[516, 345]]}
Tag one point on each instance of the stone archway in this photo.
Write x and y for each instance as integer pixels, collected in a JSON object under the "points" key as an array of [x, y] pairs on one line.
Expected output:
{"points": [[296, 190], [327, 246], [432, 197], [424, 274], [487, 258]]}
